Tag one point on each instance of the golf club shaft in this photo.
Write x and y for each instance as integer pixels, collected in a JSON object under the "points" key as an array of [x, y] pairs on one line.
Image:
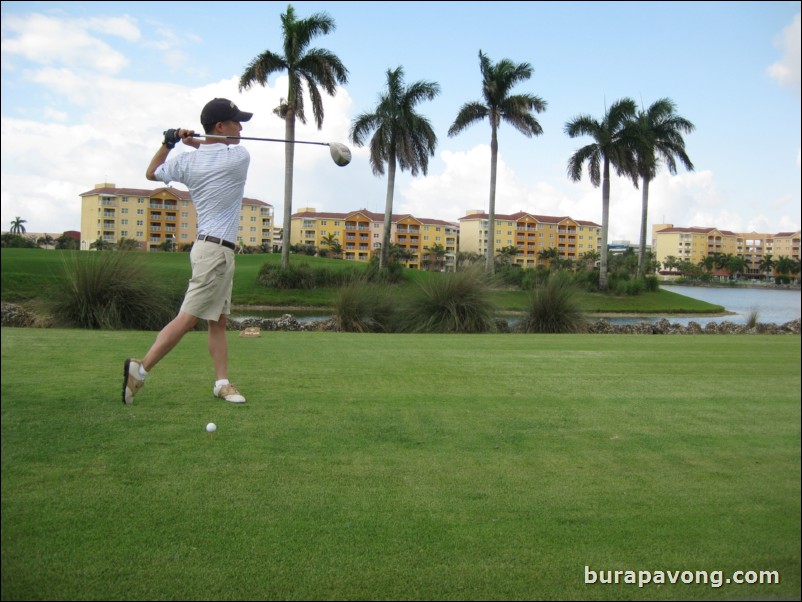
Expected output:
{"points": [[259, 139]]}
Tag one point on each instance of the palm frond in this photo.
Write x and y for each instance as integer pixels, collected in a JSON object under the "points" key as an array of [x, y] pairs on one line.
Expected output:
{"points": [[469, 114]]}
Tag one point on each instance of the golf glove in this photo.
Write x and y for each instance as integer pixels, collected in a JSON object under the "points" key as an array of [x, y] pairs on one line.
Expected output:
{"points": [[171, 138]]}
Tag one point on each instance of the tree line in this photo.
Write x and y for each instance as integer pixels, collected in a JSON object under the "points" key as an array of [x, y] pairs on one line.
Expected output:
{"points": [[635, 143], [632, 142]]}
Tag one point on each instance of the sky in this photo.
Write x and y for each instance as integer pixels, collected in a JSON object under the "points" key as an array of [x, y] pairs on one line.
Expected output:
{"points": [[89, 87]]}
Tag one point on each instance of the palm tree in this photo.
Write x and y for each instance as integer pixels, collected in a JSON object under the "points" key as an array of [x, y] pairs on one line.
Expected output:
{"points": [[499, 105], [795, 267], [402, 138], [399, 254], [784, 265], [709, 262], [45, 241], [102, 245], [589, 258], [466, 259], [314, 67], [735, 264], [333, 243], [660, 130], [548, 256], [131, 244], [767, 264], [436, 256], [614, 144], [508, 254], [17, 227]]}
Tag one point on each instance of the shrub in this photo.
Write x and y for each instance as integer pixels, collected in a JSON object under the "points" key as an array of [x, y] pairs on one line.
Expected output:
{"points": [[361, 307], [534, 277], [510, 275], [298, 276], [112, 290], [587, 280], [392, 274], [651, 283], [303, 276], [454, 302], [553, 308]]}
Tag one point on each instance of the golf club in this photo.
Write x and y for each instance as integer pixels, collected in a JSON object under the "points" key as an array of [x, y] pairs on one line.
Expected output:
{"points": [[340, 153]]}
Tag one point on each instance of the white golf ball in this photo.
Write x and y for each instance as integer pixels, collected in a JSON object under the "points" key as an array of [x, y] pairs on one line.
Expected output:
{"points": [[211, 427]]}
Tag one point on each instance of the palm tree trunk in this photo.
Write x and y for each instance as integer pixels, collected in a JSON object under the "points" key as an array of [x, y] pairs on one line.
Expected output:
{"points": [[384, 258], [491, 211], [289, 160], [605, 225], [643, 221]]}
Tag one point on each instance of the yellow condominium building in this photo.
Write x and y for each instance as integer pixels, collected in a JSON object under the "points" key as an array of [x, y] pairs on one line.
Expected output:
{"points": [[159, 218], [695, 244], [530, 234], [360, 235]]}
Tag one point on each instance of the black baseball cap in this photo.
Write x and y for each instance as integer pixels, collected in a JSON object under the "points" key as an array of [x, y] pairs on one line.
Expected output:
{"points": [[222, 109]]}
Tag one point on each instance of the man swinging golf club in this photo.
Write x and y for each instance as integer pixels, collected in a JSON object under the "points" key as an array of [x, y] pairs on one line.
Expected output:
{"points": [[215, 175]]}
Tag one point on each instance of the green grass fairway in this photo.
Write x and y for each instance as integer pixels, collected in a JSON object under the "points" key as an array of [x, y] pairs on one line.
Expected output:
{"points": [[425, 467]]}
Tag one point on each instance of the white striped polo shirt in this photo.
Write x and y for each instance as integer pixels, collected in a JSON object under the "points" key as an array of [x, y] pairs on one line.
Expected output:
{"points": [[215, 175]]}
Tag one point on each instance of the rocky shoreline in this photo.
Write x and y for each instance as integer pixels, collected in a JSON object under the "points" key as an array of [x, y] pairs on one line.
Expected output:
{"points": [[16, 316], [288, 322]]}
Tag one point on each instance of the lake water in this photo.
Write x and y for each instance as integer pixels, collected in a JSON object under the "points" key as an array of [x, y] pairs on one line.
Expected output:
{"points": [[772, 306], [776, 306]]}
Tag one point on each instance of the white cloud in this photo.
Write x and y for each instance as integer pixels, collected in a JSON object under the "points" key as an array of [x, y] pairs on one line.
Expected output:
{"points": [[51, 41], [787, 70], [117, 137], [122, 27], [464, 184]]}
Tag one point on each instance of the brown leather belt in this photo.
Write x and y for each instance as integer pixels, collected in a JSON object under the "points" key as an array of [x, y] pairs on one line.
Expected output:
{"points": [[217, 241]]}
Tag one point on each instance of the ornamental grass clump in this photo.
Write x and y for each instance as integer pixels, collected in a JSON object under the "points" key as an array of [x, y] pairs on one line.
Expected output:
{"points": [[112, 290], [554, 307], [362, 307], [458, 302]]}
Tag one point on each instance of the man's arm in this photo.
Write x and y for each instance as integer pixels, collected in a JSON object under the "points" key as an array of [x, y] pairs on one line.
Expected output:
{"points": [[161, 155], [158, 159]]}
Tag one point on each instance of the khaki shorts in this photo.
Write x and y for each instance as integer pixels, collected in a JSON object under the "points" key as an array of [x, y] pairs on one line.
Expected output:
{"points": [[209, 293]]}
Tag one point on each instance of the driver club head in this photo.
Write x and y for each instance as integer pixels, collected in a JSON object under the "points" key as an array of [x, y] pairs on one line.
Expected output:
{"points": [[340, 153]]}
